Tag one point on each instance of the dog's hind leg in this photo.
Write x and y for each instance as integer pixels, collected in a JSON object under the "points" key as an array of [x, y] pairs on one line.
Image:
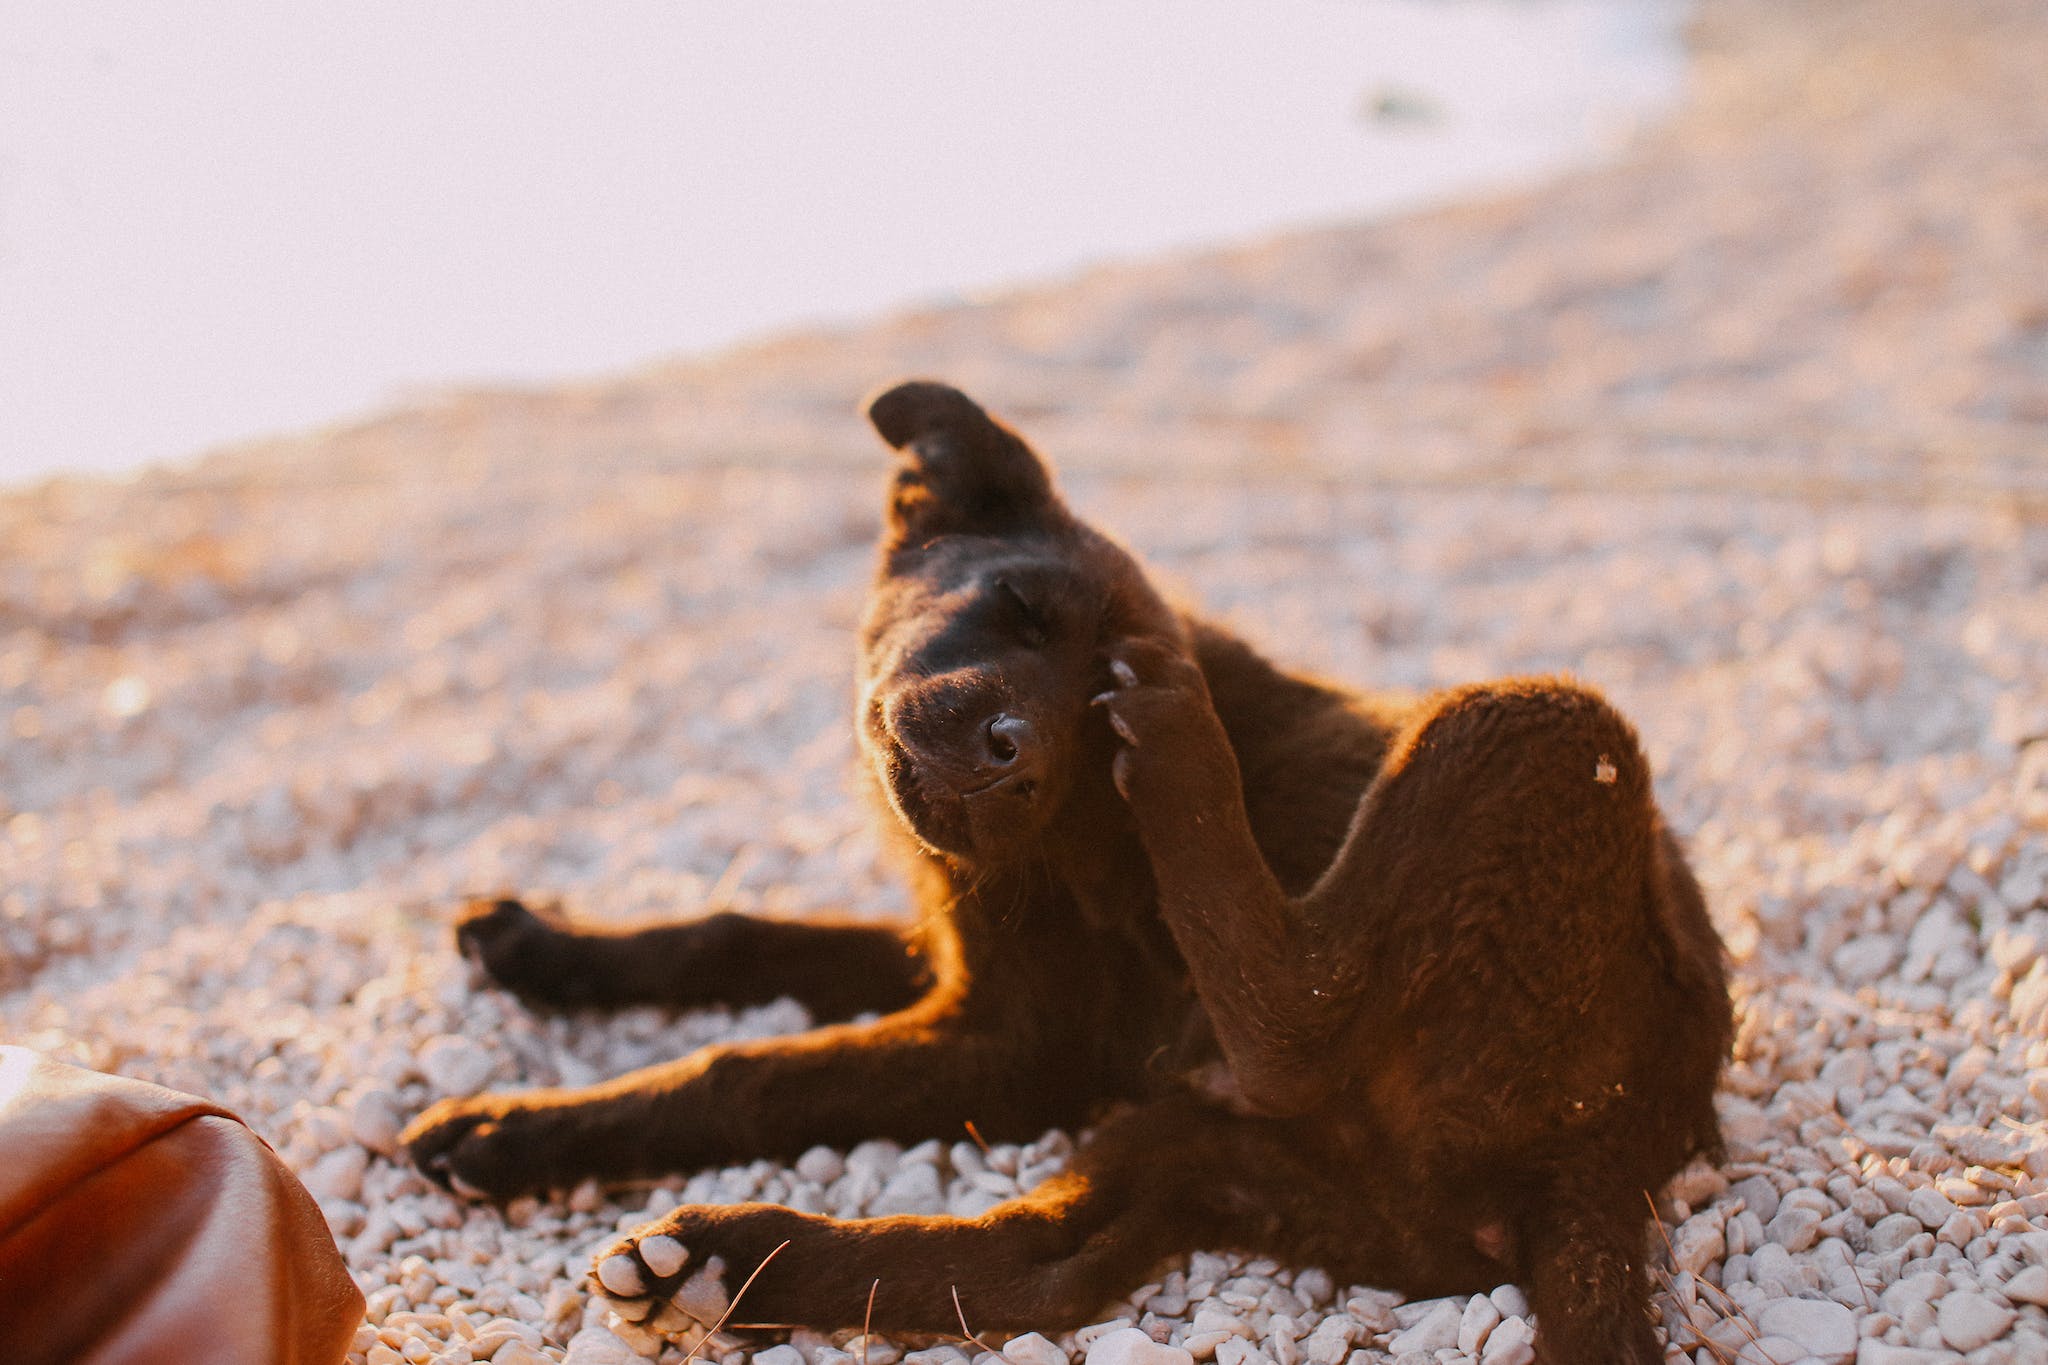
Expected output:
{"points": [[834, 969], [1588, 1277], [1153, 1181]]}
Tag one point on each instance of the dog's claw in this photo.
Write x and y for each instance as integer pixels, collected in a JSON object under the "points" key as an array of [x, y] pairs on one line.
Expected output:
{"points": [[1123, 729], [1126, 676]]}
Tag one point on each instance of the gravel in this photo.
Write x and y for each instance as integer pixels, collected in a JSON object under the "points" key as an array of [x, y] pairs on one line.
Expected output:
{"points": [[266, 720]]}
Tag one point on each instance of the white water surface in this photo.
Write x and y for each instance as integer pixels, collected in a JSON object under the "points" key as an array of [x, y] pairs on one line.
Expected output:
{"points": [[223, 218]]}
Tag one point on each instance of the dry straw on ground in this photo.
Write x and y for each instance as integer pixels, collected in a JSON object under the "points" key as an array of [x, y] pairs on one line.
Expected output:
{"points": [[1750, 429]]}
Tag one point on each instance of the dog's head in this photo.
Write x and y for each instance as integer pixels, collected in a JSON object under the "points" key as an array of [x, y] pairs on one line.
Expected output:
{"points": [[986, 634]]}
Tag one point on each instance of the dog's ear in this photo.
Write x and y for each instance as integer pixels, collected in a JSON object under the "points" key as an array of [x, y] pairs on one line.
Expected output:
{"points": [[963, 472]]}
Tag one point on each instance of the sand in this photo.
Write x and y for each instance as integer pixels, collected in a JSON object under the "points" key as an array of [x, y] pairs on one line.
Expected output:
{"points": [[1748, 428]]}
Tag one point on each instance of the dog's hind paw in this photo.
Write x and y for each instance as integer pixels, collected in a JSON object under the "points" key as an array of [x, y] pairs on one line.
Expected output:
{"points": [[648, 1279]]}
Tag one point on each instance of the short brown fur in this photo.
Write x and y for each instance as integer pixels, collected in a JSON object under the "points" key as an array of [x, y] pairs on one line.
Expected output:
{"points": [[1420, 991]]}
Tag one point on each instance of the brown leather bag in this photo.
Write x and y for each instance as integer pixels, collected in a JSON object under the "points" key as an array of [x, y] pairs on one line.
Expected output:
{"points": [[141, 1225]]}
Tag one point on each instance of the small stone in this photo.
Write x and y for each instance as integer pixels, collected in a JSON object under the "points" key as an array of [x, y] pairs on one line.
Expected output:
{"points": [[2029, 1286], [1931, 1207], [1480, 1318], [1767, 1350], [1968, 1320], [915, 1188], [1758, 1195], [495, 1335], [702, 1296], [663, 1255], [338, 1175], [1331, 1341], [597, 1346], [1511, 1301], [1213, 1319], [821, 1165], [517, 1353], [1313, 1285], [873, 1350], [1030, 1349], [455, 1066], [1511, 1343], [784, 1354], [1794, 1229], [1893, 1231], [1437, 1331], [1865, 958], [1875, 1352], [620, 1275], [1129, 1346], [1822, 1327], [1699, 1242], [376, 1120]]}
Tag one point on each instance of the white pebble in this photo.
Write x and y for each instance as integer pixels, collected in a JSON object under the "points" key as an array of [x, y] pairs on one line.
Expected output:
{"points": [[2029, 1286], [1698, 1242], [455, 1066], [915, 1188], [1313, 1286], [496, 1334], [1968, 1320], [1875, 1352], [375, 1120], [1129, 1346], [1331, 1341], [1478, 1322], [1513, 1342], [702, 1296], [1931, 1207], [338, 1175], [1033, 1349], [1437, 1331], [1822, 1327], [597, 1346]]}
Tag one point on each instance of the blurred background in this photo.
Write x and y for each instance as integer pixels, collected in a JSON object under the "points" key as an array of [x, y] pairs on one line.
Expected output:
{"points": [[226, 218]]}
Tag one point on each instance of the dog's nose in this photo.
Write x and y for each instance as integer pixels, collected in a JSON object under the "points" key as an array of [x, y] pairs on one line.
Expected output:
{"points": [[1007, 740]]}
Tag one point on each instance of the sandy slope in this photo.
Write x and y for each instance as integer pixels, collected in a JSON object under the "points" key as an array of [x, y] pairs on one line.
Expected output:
{"points": [[1750, 429]]}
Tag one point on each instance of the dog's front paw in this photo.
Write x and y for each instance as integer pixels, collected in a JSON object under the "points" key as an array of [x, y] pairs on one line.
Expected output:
{"points": [[516, 946], [1174, 750], [485, 1147]]}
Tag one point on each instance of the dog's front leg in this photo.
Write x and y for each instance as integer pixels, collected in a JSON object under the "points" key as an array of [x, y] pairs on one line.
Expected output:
{"points": [[910, 1076], [1266, 974]]}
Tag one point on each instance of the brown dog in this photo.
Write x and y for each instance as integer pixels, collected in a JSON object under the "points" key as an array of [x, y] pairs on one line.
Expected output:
{"points": [[1422, 993]]}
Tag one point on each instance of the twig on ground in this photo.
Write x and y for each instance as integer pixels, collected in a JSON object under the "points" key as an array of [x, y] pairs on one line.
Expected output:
{"points": [[867, 1322], [965, 1332], [1733, 1311]]}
